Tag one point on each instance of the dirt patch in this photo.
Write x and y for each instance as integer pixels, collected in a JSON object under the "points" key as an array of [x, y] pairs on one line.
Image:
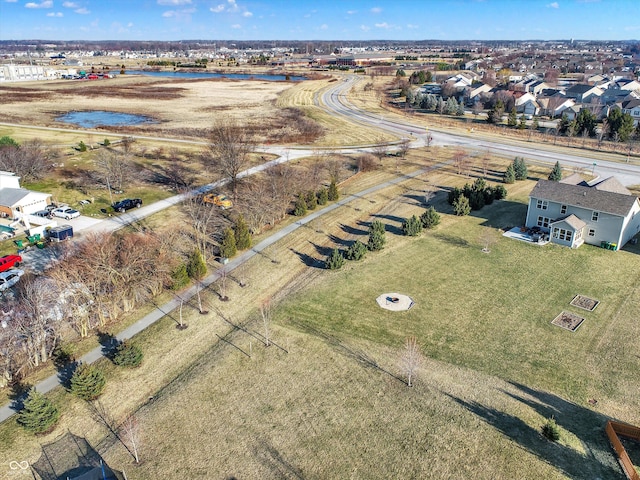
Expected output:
{"points": [[585, 303], [568, 320]]}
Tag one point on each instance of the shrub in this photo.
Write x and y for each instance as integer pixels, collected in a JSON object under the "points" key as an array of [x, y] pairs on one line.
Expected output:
{"points": [[196, 267], [510, 175], [376, 236], [556, 173], [39, 415], [461, 206], [312, 200], [551, 430], [335, 261], [87, 382], [356, 251], [453, 195], [128, 355], [82, 147], [243, 236], [520, 168], [106, 142], [179, 277], [430, 218], [412, 226], [65, 353], [333, 193], [300, 208], [323, 196], [499, 192]]}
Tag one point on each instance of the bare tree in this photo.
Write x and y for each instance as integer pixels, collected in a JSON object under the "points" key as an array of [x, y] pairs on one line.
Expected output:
{"points": [[380, 149], [130, 434], [265, 313], [223, 285], [487, 238], [486, 158], [403, 149], [29, 161], [112, 168], [461, 162], [229, 149], [411, 360]]}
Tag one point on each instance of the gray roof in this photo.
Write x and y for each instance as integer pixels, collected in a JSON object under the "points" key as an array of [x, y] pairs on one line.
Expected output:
{"points": [[573, 221], [10, 196], [611, 184], [589, 198]]}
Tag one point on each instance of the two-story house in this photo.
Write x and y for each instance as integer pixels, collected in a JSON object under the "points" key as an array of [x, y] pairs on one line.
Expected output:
{"points": [[574, 212]]}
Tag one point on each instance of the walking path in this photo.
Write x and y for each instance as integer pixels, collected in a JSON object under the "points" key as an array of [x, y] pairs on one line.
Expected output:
{"points": [[48, 384]]}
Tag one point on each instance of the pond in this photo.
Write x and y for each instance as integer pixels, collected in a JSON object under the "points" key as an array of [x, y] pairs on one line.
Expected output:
{"points": [[232, 76], [101, 118]]}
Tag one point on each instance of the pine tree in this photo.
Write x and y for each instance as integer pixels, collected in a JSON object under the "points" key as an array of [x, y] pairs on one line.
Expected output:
{"points": [[228, 246], [430, 218], [376, 236], [196, 267], [512, 120], [356, 251], [243, 236], [300, 207], [510, 175], [520, 168], [312, 200], [535, 124], [323, 196], [179, 277], [335, 261], [128, 355], [556, 173], [523, 123], [39, 415], [333, 193], [412, 226], [87, 382], [461, 206]]}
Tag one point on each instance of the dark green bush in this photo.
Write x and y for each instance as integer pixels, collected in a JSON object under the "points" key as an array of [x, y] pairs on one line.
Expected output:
{"points": [[196, 267], [179, 277], [87, 382], [430, 218], [243, 236], [323, 196], [356, 251], [412, 226], [128, 355], [335, 261], [300, 208], [551, 430], [312, 200], [39, 415], [376, 236]]}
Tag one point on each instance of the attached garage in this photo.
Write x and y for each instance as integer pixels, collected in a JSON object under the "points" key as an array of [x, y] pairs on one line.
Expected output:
{"points": [[14, 202]]}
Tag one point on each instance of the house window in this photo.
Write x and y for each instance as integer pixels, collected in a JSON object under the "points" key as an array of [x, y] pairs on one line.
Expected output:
{"points": [[592, 232], [594, 216], [543, 204], [563, 209], [543, 222], [562, 234]]}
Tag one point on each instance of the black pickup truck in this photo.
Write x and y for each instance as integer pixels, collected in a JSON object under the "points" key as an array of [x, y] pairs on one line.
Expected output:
{"points": [[127, 204]]}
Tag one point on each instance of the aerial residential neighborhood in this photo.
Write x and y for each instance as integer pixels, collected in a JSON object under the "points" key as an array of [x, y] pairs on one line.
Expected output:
{"points": [[256, 240]]}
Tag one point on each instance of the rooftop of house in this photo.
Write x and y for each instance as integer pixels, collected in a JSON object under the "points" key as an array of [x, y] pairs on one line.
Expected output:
{"points": [[605, 196]]}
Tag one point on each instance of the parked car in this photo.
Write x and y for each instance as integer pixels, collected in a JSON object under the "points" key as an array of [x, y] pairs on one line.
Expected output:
{"points": [[10, 278], [65, 212], [9, 261], [127, 204]]}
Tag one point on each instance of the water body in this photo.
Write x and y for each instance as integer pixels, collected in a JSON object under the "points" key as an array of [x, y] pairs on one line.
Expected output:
{"points": [[101, 118], [232, 76]]}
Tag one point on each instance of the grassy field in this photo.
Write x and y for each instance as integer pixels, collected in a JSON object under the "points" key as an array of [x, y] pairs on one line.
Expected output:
{"points": [[335, 406]]}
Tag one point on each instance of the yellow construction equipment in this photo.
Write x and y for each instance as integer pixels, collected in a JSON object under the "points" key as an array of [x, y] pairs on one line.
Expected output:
{"points": [[218, 200]]}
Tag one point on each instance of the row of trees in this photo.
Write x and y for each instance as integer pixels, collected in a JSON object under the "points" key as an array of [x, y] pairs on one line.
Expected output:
{"points": [[474, 197], [357, 250]]}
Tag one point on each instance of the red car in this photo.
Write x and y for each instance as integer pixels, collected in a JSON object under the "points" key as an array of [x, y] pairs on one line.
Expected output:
{"points": [[9, 261]]}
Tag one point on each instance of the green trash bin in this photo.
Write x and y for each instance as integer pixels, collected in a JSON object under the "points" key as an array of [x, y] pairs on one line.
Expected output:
{"points": [[19, 243]]}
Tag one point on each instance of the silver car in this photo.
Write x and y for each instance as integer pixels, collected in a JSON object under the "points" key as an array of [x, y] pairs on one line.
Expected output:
{"points": [[65, 212], [10, 278]]}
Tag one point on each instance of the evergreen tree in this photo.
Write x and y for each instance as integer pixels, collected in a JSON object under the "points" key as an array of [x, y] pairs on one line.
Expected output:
{"points": [[312, 200], [556, 173], [333, 193], [128, 355], [512, 120], [7, 141], [499, 192], [586, 122], [196, 266], [400, 73], [412, 226], [82, 147], [620, 125], [300, 207], [453, 195], [535, 124], [563, 124], [461, 206], [87, 382], [356, 251], [179, 277], [228, 246], [523, 123], [430, 218], [39, 415], [510, 175], [520, 168], [494, 115], [335, 261], [376, 236], [460, 110], [243, 236], [323, 196]]}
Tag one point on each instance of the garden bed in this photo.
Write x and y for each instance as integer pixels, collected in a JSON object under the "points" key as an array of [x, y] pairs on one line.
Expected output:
{"points": [[568, 320], [585, 303]]}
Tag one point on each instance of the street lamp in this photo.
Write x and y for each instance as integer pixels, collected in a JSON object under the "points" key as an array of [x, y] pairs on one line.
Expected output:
{"points": [[594, 168]]}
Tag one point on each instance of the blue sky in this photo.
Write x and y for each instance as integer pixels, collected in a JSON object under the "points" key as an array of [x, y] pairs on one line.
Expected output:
{"points": [[319, 19]]}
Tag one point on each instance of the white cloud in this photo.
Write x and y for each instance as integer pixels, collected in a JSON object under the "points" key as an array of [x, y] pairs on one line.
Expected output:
{"points": [[82, 11], [11, 1], [236, 26], [218, 9], [247, 14], [230, 7], [376, 10], [55, 14], [365, 28], [169, 14], [411, 26], [45, 4], [382, 25], [553, 5], [174, 2], [324, 26], [70, 5], [351, 12]]}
